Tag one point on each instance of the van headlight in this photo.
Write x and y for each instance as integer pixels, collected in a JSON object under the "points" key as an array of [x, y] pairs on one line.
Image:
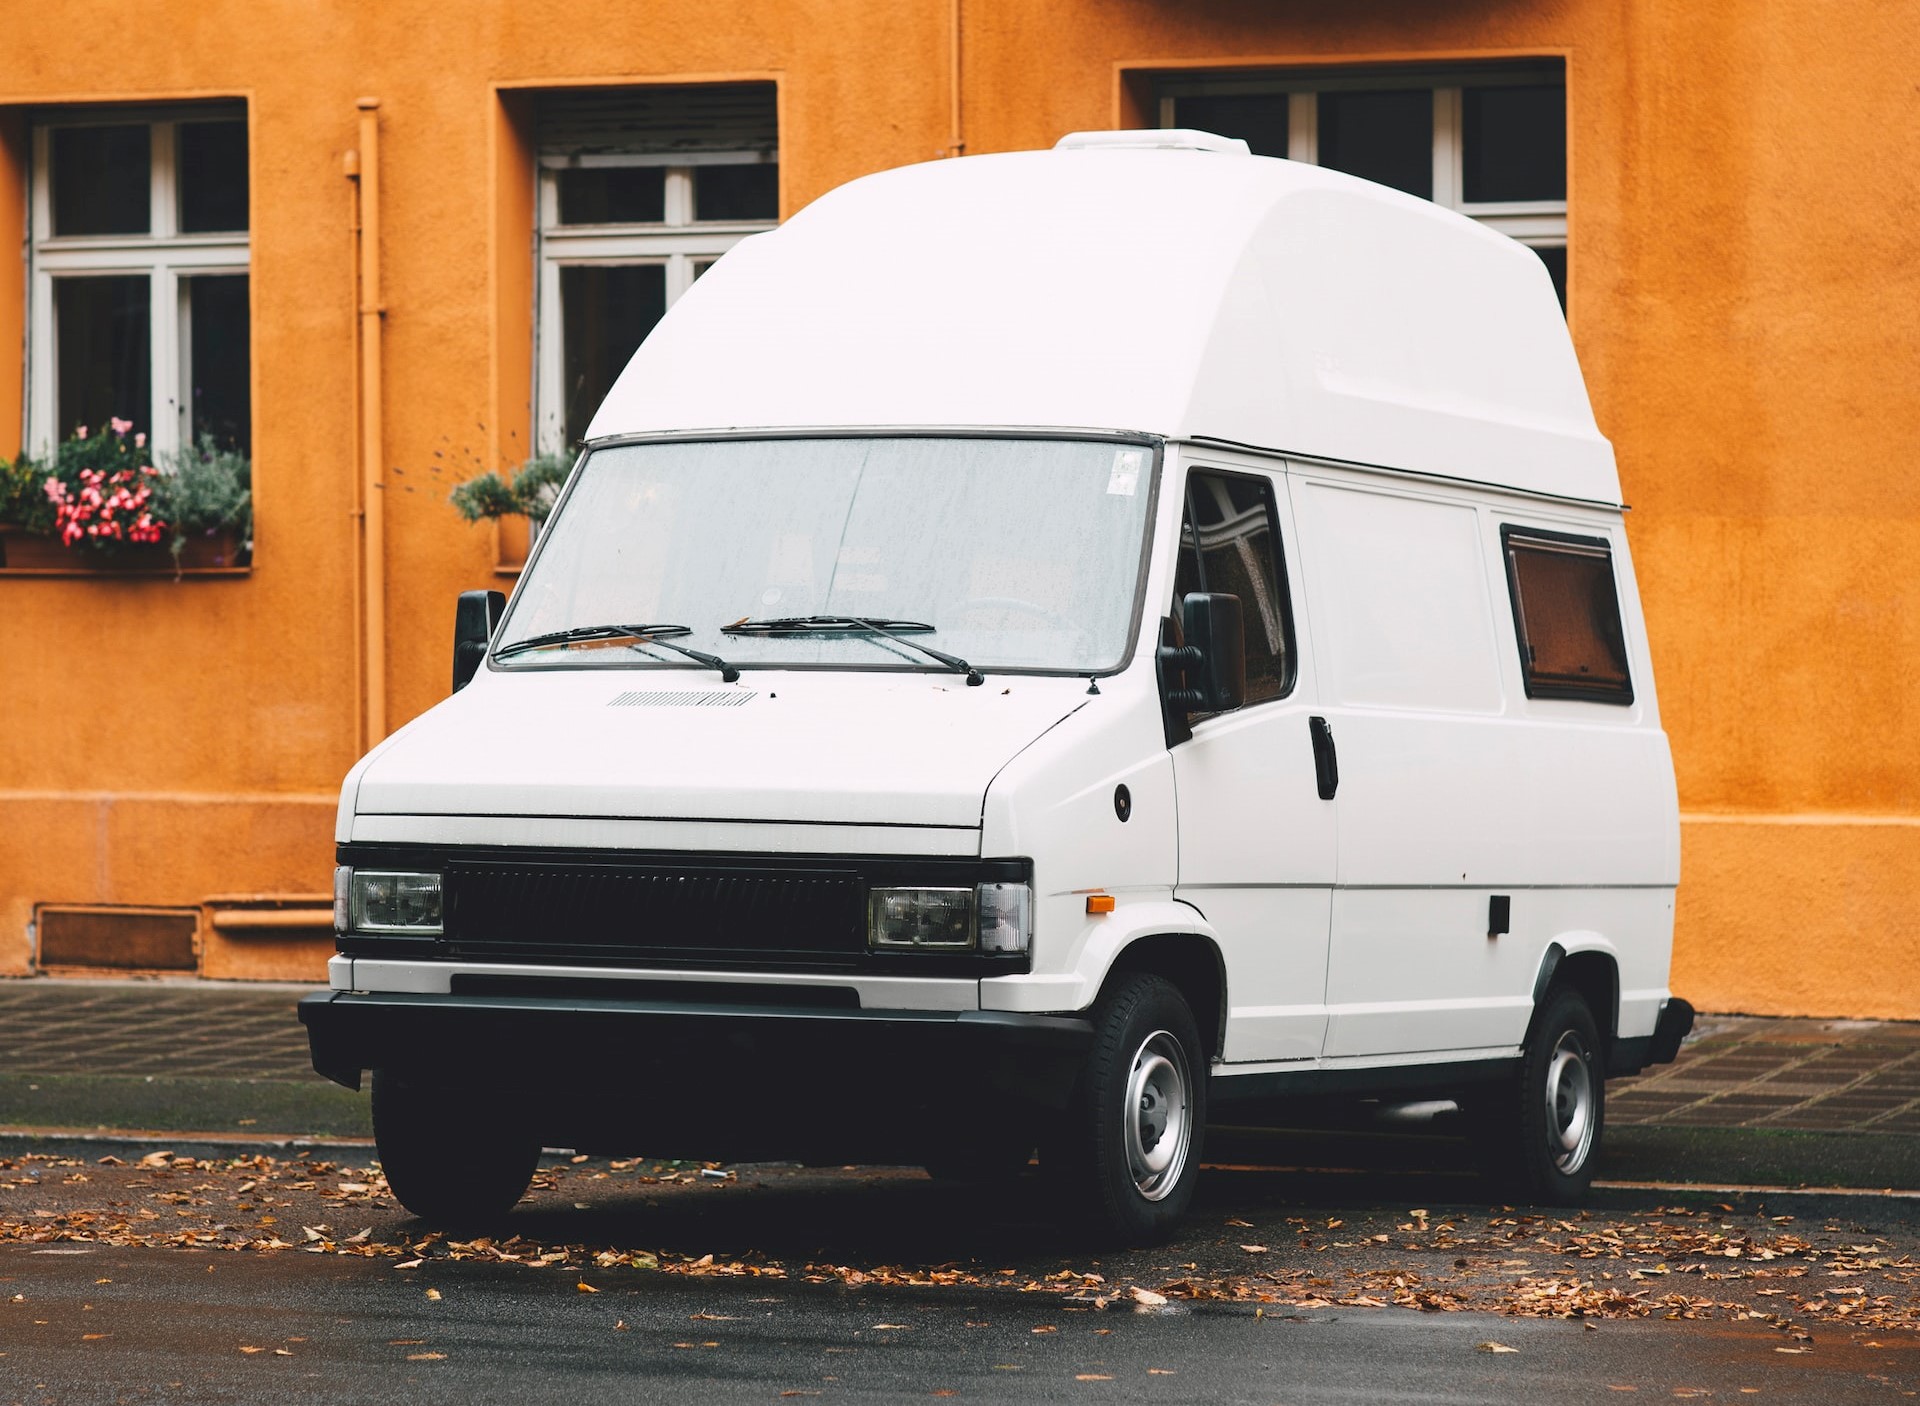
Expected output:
{"points": [[386, 900], [988, 917]]}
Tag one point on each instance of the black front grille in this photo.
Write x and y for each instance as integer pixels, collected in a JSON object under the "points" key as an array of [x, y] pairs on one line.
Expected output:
{"points": [[654, 913]]}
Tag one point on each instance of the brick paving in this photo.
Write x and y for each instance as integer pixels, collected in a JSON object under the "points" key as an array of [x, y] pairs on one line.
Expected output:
{"points": [[1734, 1072], [1830, 1076], [181, 1029]]}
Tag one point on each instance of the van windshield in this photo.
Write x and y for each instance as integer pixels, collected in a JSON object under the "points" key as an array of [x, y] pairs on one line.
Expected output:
{"points": [[1020, 554]]}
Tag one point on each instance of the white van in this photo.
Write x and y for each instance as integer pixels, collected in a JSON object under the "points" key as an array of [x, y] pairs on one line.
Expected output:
{"points": [[1040, 650]]}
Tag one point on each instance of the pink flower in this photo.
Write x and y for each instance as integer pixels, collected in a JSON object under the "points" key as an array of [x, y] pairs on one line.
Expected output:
{"points": [[140, 442], [80, 432], [119, 425]]}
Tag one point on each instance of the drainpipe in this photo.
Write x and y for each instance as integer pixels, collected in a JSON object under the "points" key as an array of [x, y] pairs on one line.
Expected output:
{"points": [[363, 168], [956, 144]]}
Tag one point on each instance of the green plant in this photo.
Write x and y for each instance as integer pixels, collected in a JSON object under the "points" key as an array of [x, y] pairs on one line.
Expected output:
{"points": [[528, 491], [23, 496], [205, 490]]}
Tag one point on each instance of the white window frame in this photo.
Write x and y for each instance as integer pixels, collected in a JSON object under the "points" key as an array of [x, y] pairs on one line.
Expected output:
{"points": [[1539, 224], [677, 242], [166, 256]]}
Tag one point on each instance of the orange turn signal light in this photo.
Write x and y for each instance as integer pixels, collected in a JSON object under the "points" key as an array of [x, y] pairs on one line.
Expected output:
{"points": [[1099, 903]]}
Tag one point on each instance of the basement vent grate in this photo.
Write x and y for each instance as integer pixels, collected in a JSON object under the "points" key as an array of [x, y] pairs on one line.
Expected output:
{"points": [[683, 698]]}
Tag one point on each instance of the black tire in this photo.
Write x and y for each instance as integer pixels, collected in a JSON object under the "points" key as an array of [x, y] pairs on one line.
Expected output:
{"points": [[452, 1153], [1538, 1135], [1124, 1158]]}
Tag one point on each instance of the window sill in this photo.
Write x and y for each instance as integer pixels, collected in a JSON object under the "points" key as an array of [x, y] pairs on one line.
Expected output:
{"points": [[25, 554]]}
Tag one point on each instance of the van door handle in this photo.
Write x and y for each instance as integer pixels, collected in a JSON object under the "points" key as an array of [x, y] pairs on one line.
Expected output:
{"points": [[1326, 765]]}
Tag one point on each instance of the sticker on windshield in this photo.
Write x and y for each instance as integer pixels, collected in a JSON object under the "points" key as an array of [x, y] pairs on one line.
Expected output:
{"points": [[1125, 476]]}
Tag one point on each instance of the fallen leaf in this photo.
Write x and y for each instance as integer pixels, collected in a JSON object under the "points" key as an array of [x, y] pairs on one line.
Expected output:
{"points": [[889, 1327], [281, 1352], [433, 1295], [1793, 1349], [584, 1287], [426, 1357], [1254, 1249], [1243, 1224], [1091, 1377], [1146, 1298], [1046, 1328], [405, 1342], [252, 1350], [1494, 1347]]}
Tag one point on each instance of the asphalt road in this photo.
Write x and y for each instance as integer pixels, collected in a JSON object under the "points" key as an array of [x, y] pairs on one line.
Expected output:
{"points": [[95, 1324]]}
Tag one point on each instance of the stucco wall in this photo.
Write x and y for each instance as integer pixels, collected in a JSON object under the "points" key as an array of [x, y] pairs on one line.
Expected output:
{"points": [[1745, 295]]}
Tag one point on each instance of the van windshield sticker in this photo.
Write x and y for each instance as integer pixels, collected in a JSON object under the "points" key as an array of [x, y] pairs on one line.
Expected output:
{"points": [[1125, 476]]}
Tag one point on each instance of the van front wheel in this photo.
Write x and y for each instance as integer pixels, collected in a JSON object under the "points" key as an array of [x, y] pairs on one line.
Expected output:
{"points": [[1126, 1155], [1541, 1132], [451, 1155]]}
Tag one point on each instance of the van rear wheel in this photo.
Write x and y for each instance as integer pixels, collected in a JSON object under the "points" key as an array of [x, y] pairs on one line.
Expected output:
{"points": [[1125, 1157], [453, 1155], [1540, 1133]]}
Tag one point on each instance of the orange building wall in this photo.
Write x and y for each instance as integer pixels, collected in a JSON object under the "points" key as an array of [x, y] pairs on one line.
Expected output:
{"points": [[1744, 291]]}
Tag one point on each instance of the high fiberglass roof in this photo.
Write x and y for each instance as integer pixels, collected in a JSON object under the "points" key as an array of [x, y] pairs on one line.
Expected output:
{"points": [[1182, 292]]}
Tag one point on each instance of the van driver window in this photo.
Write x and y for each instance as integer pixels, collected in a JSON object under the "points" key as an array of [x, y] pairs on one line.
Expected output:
{"points": [[1229, 545], [1566, 611]]}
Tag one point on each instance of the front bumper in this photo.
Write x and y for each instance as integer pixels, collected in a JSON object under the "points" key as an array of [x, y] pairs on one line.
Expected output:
{"points": [[645, 1058]]}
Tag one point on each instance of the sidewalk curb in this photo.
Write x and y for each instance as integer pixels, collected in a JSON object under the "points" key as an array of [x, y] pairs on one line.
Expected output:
{"points": [[14, 1141]]}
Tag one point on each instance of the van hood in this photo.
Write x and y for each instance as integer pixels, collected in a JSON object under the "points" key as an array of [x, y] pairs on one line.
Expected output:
{"points": [[820, 747]]}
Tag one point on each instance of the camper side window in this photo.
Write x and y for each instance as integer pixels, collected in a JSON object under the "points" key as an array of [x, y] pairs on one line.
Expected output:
{"points": [[1230, 543], [1566, 611]]}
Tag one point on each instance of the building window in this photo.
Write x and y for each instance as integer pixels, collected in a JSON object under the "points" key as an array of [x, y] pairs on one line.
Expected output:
{"points": [[640, 191], [1488, 142], [139, 261]]}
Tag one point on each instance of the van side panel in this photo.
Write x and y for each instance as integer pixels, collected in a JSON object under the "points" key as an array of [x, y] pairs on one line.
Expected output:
{"points": [[1456, 788]]}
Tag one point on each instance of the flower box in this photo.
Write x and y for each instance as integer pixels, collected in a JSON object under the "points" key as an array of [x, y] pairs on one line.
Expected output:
{"points": [[30, 554]]}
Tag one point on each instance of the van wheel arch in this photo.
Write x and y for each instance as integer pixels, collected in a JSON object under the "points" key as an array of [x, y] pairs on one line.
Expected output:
{"points": [[1594, 974], [1193, 964]]}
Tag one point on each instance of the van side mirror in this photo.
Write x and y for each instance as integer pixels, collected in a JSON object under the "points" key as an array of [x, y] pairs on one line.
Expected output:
{"points": [[1212, 662], [473, 620]]}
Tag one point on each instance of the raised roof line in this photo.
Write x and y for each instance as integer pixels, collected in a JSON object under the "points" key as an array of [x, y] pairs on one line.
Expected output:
{"points": [[1153, 139]]}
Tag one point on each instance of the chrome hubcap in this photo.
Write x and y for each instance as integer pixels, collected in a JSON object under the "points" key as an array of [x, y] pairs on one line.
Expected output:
{"points": [[1159, 1115], [1570, 1103]]}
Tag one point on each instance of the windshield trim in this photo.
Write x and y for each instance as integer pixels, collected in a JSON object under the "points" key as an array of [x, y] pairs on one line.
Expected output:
{"points": [[1154, 444]]}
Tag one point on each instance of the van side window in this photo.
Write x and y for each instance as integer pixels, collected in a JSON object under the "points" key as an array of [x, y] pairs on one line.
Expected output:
{"points": [[1230, 543], [1566, 611]]}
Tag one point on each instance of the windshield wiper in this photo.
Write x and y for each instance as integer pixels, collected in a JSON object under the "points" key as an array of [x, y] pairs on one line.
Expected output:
{"points": [[639, 634], [895, 630]]}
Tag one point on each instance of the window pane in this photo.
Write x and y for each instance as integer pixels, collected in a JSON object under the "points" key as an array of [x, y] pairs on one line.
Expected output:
{"points": [[101, 181], [613, 195], [1381, 136], [736, 192], [213, 176], [605, 313], [1571, 643], [1237, 559], [1555, 258], [103, 330], [1258, 119], [222, 403], [1516, 142]]}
